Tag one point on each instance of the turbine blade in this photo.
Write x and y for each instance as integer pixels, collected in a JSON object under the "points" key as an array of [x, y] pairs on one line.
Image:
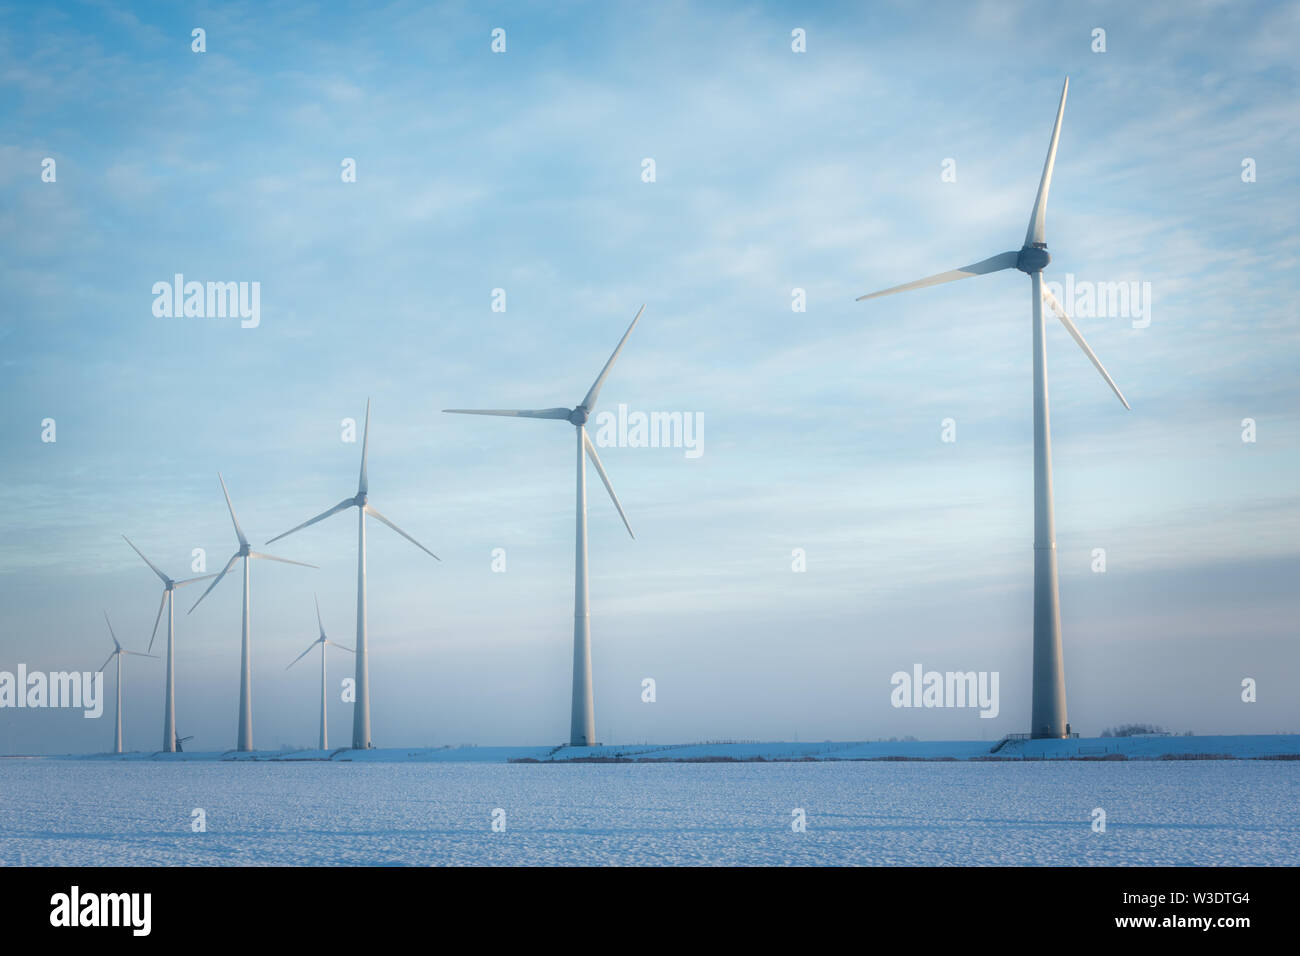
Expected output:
{"points": [[201, 577], [340, 647], [105, 664], [557, 413], [341, 506], [370, 510], [229, 565], [1005, 260], [161, 605], [303, 654], [363, 483], [239, 532], [1036, 228], [140, 654], [319, 622], [271, 557], [595, 460], [590, 401], [1075, 334], [110, 631], [144, 559]]}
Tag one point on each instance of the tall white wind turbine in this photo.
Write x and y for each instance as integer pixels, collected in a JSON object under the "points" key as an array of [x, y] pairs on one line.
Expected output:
{"points": [[582, 724], [245, 740], [118, 652], [360, 501], [169, 694], [1049, 715], [323, 642]]}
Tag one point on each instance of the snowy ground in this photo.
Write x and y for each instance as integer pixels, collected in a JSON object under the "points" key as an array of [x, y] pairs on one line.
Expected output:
{"points": [[422, 813]]}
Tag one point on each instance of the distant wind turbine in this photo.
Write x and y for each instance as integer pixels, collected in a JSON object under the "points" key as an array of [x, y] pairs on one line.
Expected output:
{"points": [[1049, 715], [118, 652], [245, 741], [582, 724], [323, 642], [360, 501], [169, 698]]}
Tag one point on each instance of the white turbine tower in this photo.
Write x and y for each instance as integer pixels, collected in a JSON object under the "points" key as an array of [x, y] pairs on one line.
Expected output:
{"points": [[582, 725], [169, 695], [360, 501], [324, 642], [118, 652], [1049, 715], [245, 741]]}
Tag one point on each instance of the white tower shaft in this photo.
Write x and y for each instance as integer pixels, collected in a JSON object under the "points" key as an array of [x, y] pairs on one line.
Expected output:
{"points": [[582, 726], [117, 736], [361, 709], [1048, 709], [169, 704], [245, 741], [324, 728]]}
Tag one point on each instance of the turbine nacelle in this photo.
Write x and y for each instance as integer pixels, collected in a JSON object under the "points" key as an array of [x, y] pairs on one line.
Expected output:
{"points": [[360, 500], [169, 585], [1033, 258], [245, 553], [118, 649], [322, 642], [577, 416]]}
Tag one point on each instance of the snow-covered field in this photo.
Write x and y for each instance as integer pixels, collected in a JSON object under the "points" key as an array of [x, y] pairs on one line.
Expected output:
{"points": [[425, 813]]}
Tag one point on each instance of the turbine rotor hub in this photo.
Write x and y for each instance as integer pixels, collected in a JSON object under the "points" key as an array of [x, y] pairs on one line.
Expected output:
{"points": [[1033, 258], [579, 415]]}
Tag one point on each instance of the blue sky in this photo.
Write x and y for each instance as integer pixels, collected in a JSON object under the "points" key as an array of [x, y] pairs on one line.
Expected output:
{"points": [[775, 170]]}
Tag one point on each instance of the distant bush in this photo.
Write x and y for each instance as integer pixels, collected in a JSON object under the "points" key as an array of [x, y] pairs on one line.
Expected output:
{"points": [[1133, 730], [1198, 757]]}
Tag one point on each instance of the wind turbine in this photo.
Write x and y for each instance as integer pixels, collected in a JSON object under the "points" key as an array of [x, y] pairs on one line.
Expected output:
{"points": [[324, 642], [1049, 716], [169, 698], [360, 501], [582, 724], [245, 741], [118, 652]]}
